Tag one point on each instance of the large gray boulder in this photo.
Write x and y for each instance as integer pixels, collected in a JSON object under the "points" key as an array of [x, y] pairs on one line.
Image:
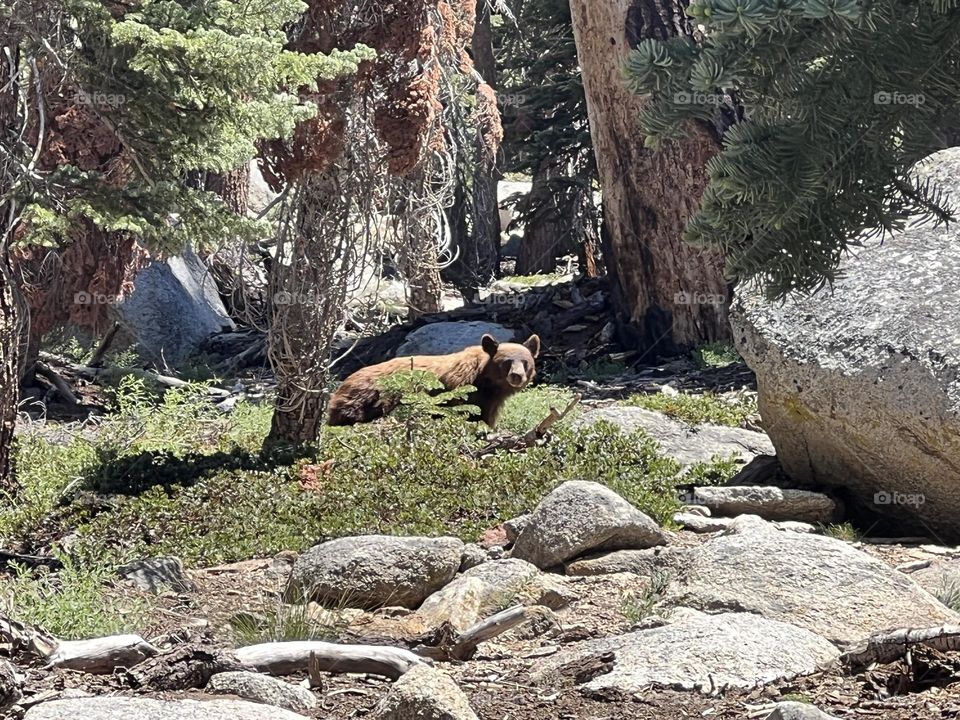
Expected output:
{"points": [[136, 708], [173, 307], [580, 517], [687, 444], [442, 338], [374, 570], [700, 652], [812, 581], [860, 386]]}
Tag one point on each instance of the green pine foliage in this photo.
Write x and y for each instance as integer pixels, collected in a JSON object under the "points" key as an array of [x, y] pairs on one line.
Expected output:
{"points": [[841, 98], [185, 86]]}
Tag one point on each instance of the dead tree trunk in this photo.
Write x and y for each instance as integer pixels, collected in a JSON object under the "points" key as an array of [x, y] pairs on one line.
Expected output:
{"points": [[670, 295]]}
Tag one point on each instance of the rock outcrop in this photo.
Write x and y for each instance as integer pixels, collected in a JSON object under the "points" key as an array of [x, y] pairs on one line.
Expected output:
{"points": [[860, 386]]}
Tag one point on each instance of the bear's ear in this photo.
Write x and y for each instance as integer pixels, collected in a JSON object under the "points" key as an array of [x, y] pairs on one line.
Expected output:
{"points": [[533, 345], [489, 344]]}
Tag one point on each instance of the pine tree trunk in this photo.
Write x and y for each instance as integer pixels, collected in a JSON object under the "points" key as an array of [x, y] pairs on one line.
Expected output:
{"points": [[232, 187], [542, 233], [670, 295], [229, 261], [486, 209]]}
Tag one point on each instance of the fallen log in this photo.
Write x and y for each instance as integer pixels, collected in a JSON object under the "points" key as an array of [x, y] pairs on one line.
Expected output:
{"points": [[101, 656], [283, 658], [887, 647]]}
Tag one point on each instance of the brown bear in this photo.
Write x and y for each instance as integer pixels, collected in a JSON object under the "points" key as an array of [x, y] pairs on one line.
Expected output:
{"points": [[497, 370]]}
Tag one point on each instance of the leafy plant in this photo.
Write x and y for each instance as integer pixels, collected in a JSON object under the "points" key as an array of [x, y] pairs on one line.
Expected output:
{"points": [[637, 608]]}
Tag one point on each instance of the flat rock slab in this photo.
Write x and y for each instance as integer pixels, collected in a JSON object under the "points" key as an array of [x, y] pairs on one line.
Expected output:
{"points": [[770, 503], [488, 588], [637, 562], [580, 517], [699, 652], [130, 708], [687, 444], [263, 689], [370, 571], [814, 582], [442, 338]]}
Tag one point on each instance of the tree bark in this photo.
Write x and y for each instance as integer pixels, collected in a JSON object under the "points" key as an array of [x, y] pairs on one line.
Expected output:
{"points": [[543, 232], [669, 295], [9, 373], [486, 208], [10, 325], [233, 188]]}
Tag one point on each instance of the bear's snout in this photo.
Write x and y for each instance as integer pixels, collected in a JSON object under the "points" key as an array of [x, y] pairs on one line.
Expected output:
{"points": [[517, 377]]}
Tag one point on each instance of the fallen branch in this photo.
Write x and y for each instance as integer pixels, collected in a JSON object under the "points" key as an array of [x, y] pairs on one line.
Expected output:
{"points": [[58, 382], [7, 557], [101, 656], [532, 436], [488, 629], [887, 647], [283, 658], [93, 373], [446, 644], [105, 343]]}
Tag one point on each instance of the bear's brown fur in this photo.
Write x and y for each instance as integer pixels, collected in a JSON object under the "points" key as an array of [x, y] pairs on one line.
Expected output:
{"points": [[497, 370]]}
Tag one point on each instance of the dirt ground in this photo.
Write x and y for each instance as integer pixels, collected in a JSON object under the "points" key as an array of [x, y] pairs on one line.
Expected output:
{"points": [[499, 681]]}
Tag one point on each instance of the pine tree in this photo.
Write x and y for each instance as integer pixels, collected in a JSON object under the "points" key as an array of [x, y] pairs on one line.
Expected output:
{"points": [[106, 108], [833, 102], [546, 133]]}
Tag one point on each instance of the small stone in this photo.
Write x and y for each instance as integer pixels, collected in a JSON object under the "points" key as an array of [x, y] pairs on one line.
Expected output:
{"points": [[424, 693], [701, 523], [770, 503], [472, 556], [514, 527], [157, 574], [374, 570], [138, 708], [263, 689], [798, 711]]}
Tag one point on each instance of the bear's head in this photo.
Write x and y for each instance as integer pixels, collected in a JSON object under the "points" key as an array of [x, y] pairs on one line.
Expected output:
{"points": [[511, 365]]}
